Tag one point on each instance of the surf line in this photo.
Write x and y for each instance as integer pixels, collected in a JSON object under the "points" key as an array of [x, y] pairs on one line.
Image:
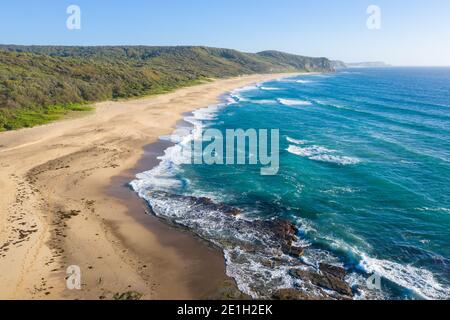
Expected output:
{"points": [[236, 146]]}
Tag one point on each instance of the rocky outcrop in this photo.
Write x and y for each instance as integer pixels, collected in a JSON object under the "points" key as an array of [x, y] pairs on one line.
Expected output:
{"points": [[228, 290], [336, 271], [292, 294], [268, 244], [324, 280], [293, 251]]}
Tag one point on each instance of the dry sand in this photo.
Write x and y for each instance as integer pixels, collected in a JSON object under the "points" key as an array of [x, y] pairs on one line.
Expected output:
{"points": [[63, 202]]}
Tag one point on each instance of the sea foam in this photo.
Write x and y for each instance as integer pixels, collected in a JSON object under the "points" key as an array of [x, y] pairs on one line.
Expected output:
{"points": [[421, 281], [303, 81], [296, 141], [310, 151], [318, 153], [294, 102], [341, 160], [270, 89]]}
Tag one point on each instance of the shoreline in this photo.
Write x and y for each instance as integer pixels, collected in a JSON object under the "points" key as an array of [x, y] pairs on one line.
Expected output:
{"points": [[65, 204], [188, 246]]}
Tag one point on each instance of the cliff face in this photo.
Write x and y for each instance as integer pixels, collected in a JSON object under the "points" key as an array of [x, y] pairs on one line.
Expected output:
{"points": [[41, 80]]}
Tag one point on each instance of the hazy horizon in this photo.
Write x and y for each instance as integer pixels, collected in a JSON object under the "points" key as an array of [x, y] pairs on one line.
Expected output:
{"points": [[411, 33]]}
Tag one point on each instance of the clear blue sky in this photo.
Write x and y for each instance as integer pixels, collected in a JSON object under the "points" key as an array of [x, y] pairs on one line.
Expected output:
{"points": [[414, 32]]}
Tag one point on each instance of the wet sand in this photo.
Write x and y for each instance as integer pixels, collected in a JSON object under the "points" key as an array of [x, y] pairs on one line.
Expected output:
{"points": [[205, 280]]}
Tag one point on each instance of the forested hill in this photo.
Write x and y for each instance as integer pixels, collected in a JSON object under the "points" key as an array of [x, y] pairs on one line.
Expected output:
{"points": [[39, 83]]}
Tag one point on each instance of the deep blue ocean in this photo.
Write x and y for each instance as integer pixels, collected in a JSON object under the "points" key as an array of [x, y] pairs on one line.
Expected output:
{"points": [[364, 174]]}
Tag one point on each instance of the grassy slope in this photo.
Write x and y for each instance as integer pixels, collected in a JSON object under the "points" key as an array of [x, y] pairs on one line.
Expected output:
{"points": [[39, 84]]}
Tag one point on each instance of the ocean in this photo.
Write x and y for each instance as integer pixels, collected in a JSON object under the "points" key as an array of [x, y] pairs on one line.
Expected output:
{"points": [[364, 176]]}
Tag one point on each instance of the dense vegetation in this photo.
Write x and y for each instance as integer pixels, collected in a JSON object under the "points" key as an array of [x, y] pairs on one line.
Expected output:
{"points": [[40, 83]]}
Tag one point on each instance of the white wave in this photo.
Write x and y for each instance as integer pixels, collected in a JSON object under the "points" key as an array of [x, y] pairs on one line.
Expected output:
{"points": [[446, 210], [303, 81], [286, 80], [253, 271], [236, 98], [230, 99], [264, 101], [270, 88], [208, 113], [321, 154], [294, 102], [161, 177], [330, 104], [421, 281], [342, 160], [314, 257], [296, 141], [340, 190], [359, 281], [308, 151], [164, 175], [418, 280], [305, 225]]}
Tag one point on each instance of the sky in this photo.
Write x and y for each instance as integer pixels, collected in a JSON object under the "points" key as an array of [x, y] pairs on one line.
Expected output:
{"points": [[413, 32]]}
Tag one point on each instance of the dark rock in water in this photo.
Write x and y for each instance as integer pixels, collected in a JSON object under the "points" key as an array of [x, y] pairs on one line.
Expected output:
{"points": [[267, 242], [324, 280], [296, 252], [299, 274], [282, 233], [228, 290], [268, 263], [207, 203], [202, 200], [238, 258], [338, 272], [289, 294], [285, 230], [285, 233], [272, 263], [293, 294], [233, 211], [329, 281]]}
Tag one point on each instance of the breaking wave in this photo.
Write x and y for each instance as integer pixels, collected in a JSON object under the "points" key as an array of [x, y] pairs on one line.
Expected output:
{"points": [[321, 154], [294, 102]]}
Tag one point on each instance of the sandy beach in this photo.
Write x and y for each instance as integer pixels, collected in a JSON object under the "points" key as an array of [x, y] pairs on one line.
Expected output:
{"points": [[65, 202]]}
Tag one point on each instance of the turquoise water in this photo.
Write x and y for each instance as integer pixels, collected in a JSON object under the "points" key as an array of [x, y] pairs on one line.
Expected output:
{"points": [[364, 174]]}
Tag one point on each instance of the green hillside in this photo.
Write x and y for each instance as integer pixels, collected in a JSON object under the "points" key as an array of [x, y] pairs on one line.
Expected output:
{"points": [[38, 84]]}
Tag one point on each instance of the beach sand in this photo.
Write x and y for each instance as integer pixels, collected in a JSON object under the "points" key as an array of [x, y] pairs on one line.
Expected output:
{"points": [[64, 202]]}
